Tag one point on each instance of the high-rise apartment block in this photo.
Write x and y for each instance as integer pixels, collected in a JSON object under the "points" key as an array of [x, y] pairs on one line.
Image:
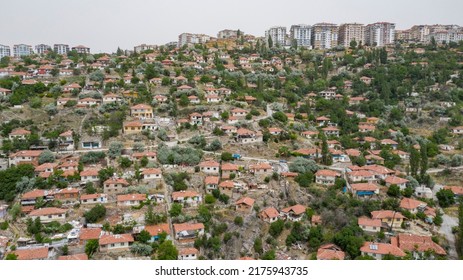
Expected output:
{"points": [[324, 35], [228, 34], [301, 34], [189, 39], [379, 34], [61, 48], [42, 48], [350, 32], [4, 51], [22, 50], [277, 34]]}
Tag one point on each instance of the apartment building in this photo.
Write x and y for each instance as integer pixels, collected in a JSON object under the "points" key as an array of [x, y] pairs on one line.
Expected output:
{"points": [[301, 34], [444, 33], [349, 32], [379, 34], [5, 51], [144, 47], [22, 50], [81, 49], [419, 33], [41, 48], [228, 34], [189, 39], [61, 48], [277, 34], [324, 35]]}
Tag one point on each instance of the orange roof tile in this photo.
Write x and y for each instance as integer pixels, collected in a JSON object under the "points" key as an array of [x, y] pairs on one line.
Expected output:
{"points": [[47, 211], [155, 230], [246, 200], [296, 209], [330, 252], [382, 248], [116, 238], [32, 254], [187, 226]]}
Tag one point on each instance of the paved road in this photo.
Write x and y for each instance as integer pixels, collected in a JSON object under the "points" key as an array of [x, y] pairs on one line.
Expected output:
{"points": [[446, 230]]}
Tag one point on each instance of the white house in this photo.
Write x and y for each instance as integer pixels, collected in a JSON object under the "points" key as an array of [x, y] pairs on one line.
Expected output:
{"points": [[49, 214]]}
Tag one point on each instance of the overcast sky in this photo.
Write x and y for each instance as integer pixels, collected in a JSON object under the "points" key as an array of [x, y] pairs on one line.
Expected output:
{"points": [[103, 25]]}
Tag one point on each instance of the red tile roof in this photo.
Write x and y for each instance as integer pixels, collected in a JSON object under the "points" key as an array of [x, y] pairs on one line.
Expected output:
{"points": [[364, 221], [187, 226], [410, 242], [47, 211], [246, 200], [270, 212], [211, 180], [410, 204], [330, 252], [327, 173], [89, 233], [177, 195], [188, 251], [131, 197], [77, 257], [382, 249], [386, 214], [32, 254], [296, 209], [116, 238], [155, 230]]}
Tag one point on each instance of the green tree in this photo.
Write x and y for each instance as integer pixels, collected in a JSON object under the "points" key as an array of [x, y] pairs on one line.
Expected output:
{"points": [[175, 209], [276, 228], [11, 257], [141, 249], [445, 197], [460, 228], [167, 251], [46, 156], [115, 149], [96, 213], [143, 237], [91, 247], [326, 156], [269, 255], [393, 190], [303, 165], [226, 156], [124, 162], [258, 248], [424, 160], [414, 162], [238, 221]]}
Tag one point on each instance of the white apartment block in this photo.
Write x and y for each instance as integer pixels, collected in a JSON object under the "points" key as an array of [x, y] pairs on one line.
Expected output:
{"points": [[42, 48], [5, 51], [22, 50], [227, 34], [350, 32], [81, 49], [61, 48], [324, 35], [419, 33], [278, 35], [144, 47], [189, 38], [302, 33], [379, 34], [444, 33]]}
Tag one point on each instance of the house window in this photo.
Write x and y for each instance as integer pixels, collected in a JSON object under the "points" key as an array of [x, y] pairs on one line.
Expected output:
{"points": [[49, 216], [113, 245]]}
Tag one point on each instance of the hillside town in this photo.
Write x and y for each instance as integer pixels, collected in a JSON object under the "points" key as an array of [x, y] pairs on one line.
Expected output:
{"points": [[321, 142]]}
